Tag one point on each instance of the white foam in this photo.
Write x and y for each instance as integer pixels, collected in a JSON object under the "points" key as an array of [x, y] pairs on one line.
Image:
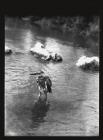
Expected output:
{"points": [[42, 51], [87, 60], [38, 49], [7, 49]]}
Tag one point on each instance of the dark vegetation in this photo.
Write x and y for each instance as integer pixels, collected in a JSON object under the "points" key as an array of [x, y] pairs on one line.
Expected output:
{"points": [[82, 25], [82, 30], [79, 28]]}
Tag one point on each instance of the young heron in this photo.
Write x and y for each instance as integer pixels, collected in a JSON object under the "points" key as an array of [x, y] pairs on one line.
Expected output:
{"points": [[44, 85]]}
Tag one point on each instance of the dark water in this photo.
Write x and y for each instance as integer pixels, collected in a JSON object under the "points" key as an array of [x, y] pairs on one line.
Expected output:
{"points": [[74, 105]]}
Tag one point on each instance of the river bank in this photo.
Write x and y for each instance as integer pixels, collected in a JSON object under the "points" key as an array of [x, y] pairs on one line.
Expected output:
{"points": [[83, 31]]}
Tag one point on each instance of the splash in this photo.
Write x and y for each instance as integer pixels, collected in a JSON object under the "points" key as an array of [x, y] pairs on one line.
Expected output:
{"points": [[88, 62], [7, 49], [39, 50]]}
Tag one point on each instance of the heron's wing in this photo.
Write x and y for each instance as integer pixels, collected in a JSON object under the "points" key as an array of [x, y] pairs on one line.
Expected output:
{"points": [[49, 84]]}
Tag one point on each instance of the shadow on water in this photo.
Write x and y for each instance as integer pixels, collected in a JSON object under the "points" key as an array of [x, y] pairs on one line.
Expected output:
{"points": [[24, 113], [39, 111]]}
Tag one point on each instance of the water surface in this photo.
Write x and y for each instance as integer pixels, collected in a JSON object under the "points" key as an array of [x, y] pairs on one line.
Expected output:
{"points": [[74, 104]]}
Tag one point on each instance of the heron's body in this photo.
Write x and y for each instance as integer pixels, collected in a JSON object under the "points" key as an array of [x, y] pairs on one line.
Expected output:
{"points": [[44, 82], [44, 86]]}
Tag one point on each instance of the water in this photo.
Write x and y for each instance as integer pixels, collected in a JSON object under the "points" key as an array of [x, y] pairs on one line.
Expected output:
{"points": [[74, 104]]}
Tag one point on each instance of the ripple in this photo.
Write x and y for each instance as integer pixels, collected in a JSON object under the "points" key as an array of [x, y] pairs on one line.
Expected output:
{"points": [[75, 99]]}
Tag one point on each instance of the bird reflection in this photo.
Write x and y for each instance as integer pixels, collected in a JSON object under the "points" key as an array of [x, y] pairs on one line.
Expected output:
{"points": [[39, 111]]}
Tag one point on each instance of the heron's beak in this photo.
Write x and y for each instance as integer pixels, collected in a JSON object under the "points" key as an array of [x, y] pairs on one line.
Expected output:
{"points": [[33, 74], [37, 73]]}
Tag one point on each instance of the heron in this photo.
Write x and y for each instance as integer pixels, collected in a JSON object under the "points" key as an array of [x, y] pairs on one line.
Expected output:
{"points": [[44, 85]]}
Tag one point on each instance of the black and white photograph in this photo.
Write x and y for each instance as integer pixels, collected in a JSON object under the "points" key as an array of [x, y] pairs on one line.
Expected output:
{"points": [[51, 75]]}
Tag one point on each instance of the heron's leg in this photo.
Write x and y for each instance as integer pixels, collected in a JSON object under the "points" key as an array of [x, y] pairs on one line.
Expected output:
{"points": [[39, 95], [46, 92], [46, 87], [39, 88]]}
